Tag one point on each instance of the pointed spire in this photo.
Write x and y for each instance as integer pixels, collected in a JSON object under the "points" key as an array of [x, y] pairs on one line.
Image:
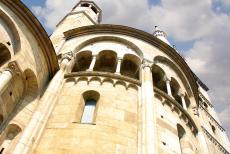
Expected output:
{"points": [[161, 35]]}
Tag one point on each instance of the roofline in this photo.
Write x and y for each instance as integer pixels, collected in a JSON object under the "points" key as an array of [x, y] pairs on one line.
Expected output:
{"points": [[37, 30], [129, 31]]}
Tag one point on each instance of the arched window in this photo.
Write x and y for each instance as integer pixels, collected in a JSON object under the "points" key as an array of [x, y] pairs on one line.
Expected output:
{"points": [[83, 60], [213, 128], [88, 112], [4, 54], [130, 66], [158, 78], [90, 106], [11, 133], [175, 90], [1, 119], [181, 134], [106, 61]]}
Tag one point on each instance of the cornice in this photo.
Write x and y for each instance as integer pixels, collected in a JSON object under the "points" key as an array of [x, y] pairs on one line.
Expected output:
{"points": [[128, 31], [32, 23]]}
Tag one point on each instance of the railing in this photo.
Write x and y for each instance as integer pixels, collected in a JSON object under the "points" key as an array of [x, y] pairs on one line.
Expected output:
{"points": [[205, 99], [211, 118], [176, 106], [214, 141]]}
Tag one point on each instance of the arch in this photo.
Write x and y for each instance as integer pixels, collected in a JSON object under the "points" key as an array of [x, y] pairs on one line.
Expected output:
{"points": [[71, 80], [32, 89], [11, 30], [106, 61], [83, 61], [95, 79], [1, 119], [187, 101], [82, 79], [158, 75], [132, 86], [130, 66], [164, 60], [175, 87], [114, 39], [90, 106], [185, 145], [91, 94], [122, 83], [108, 80], [213, 128], [11, 133], [4, 54]]}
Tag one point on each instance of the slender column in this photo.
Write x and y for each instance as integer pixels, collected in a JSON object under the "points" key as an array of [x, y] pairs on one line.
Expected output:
{"points": [[118, 69], [37, 124], [183, 101], [149, 141], [93, 62], [203, 144], [169, 91], [5, 78], [7, 75]]}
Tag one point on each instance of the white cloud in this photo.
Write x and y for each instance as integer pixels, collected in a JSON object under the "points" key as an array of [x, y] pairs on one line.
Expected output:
{"points": [[183, 20]]}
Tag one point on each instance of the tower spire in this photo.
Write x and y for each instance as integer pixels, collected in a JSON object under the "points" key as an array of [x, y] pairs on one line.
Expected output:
{"points": [[160, 35]]}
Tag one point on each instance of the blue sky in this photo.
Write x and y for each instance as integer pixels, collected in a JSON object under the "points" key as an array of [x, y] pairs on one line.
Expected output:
{"points": [[199, 29]]}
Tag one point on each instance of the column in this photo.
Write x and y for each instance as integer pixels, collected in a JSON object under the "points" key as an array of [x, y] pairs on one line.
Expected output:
{"points": [[202, 141], [37, 124], [93, 62], [5, 78], [169, 91], [149, 138], [7, 75], [183, 101], [118, 69]]}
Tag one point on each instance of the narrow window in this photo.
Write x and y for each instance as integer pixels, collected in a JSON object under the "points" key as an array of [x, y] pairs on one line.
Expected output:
{"points": [[88, 113]]}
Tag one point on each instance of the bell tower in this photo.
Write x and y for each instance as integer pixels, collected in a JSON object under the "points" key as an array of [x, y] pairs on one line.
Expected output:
{"points": [[83, 14]]}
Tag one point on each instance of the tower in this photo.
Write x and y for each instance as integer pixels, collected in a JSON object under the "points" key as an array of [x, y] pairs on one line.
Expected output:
{"points": [[85, 13], [100, 89]]}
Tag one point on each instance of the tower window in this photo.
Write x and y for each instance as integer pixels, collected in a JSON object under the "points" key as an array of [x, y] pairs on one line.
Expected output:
{"points": [[88, 113], [85, 5], [94, 9]]}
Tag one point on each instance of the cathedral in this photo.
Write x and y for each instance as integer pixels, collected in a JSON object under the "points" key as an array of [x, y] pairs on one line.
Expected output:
{"points": [[93, 88]]}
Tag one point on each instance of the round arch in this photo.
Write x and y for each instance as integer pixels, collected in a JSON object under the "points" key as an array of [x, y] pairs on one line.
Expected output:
{"points": [[106, 61], [158, 75], [164, 60], [83, 60], [12, 31], [130, 66], [111, 38], [4, 54]]}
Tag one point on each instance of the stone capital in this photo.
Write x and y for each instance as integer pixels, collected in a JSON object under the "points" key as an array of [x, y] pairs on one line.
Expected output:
{"points": [[166, 79], [146, 63], [67, 55], [14, 68], [181, 94]]}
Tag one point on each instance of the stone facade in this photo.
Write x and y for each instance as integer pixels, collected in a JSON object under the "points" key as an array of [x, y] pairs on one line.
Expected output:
{"points": [[94, 88]]}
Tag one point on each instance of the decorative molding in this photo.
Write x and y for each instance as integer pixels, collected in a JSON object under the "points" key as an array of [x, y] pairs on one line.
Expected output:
{"points": [[67, 55], [14, 68], [211, 118], [146, 63], [138, 34], [203, 98], [103, 74], [215, 142]]}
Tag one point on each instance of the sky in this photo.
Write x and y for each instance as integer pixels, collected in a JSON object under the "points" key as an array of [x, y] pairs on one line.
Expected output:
{"points": [[200, 29]]}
